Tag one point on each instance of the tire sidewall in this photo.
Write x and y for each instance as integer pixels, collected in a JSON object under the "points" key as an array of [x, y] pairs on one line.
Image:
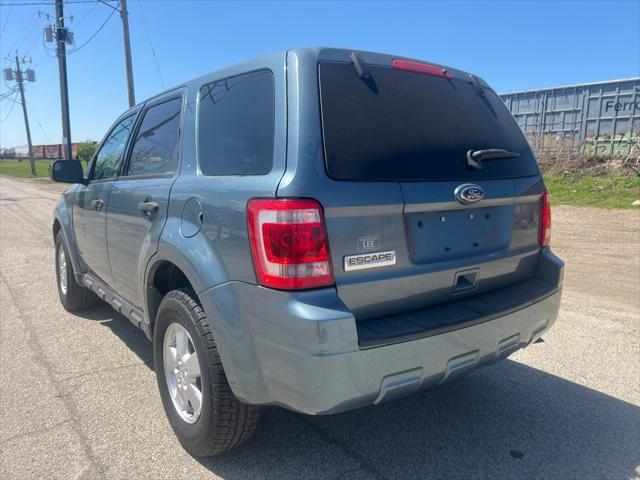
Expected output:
{"points": [[64, 297], [195, 434]]}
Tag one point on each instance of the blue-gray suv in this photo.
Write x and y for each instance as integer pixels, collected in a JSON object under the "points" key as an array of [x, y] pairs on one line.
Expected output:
{"points": [[319, 229]]}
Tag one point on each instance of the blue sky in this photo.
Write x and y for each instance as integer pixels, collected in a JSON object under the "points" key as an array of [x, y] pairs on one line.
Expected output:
{"points": [[513, 45]]}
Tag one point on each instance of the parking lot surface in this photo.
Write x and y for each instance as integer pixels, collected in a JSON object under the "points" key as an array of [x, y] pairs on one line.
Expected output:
{"points": [[78, 395]]}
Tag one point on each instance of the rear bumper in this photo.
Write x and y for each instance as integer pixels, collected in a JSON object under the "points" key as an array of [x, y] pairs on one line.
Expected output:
{"points": [[301, 350]]}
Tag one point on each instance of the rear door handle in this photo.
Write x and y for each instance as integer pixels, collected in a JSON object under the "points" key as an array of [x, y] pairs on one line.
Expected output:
{"points": [[148, 207], [97, 204]]}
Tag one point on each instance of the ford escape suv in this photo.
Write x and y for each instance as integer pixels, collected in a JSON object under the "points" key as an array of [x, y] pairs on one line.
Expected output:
{"points": [[318, 229]]}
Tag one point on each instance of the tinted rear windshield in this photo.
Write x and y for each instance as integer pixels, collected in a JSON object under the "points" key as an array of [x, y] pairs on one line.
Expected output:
{"points": [[406, 126]]}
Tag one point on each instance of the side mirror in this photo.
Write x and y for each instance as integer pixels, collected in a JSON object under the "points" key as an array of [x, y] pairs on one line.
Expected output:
{"points": [[67, 171]]}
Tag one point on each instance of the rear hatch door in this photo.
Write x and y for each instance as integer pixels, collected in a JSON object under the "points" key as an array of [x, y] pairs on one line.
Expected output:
{"points": [[402, 235]]}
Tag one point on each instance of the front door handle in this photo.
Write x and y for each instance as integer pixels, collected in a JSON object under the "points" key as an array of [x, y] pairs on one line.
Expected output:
{"points": [[148, 207], [97, 204]]}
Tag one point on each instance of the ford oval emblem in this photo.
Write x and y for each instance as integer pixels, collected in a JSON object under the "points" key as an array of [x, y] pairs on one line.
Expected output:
{"points": [[468, 193]]}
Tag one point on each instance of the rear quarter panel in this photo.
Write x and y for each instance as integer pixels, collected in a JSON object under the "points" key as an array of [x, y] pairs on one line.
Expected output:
{"points": [[206, 230]]}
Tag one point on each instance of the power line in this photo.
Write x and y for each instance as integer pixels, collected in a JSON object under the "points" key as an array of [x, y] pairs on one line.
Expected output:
{"points": [[153, 52], [31, 46], [86, 15], [14, 100], [5, 96], [94, 34], [106, 2], [39, 124], [41, 59], [24, 34], [26, 4], [6, 20]]}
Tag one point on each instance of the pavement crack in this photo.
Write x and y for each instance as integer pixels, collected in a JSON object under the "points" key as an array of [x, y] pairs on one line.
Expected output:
{"points": [[33, 432]]}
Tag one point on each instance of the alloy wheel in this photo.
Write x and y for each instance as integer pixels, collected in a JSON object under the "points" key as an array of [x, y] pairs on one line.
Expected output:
{"points": [[182, 373]]}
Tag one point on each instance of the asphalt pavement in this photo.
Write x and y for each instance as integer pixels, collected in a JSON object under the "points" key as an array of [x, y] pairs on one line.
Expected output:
{"points": [[78, 395]]}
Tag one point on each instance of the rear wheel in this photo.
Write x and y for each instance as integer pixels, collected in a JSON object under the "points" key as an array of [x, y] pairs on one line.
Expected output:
{"points": [[202, 410], [72, 296]]}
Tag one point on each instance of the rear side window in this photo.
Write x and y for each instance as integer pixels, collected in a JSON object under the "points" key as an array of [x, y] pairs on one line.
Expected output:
{"points": [[236, 125], [155, 150], [405, 126]]}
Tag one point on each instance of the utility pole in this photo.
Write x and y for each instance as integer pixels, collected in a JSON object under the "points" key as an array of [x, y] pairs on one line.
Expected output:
{"points": [[20, 80], [124, 14], [18, 76], [61, 38]]}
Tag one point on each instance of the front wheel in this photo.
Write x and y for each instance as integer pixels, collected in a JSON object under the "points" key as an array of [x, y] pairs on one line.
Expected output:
{"points": [[202, 410], [72, 296]]}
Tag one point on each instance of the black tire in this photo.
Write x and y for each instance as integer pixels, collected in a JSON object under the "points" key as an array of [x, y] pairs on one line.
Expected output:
{"points": [[224, 421], [76, 297]]}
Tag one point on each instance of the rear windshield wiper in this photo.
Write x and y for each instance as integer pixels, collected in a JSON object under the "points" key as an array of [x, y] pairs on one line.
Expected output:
{"points": [[360, 66], [476, 157]]}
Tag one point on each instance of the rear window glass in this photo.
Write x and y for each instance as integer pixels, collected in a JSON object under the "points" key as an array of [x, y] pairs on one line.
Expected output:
{"points": [[405, 126], [236, 125]]}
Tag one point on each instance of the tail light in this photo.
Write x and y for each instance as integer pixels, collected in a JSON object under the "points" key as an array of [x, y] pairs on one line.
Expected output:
{"points": [[544, 232], [289, 243]]}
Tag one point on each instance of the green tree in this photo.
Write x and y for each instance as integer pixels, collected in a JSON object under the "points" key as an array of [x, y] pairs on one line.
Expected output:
{"points": [[86, 150]]}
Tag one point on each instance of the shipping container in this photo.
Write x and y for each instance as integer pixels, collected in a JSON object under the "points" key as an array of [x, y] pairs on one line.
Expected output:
{"points": [[46, 152], [52, 151], [602, 117]]}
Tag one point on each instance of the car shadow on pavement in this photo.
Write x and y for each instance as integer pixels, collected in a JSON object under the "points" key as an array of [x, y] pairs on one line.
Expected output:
{"points": [[133, 337], [504, 421]]}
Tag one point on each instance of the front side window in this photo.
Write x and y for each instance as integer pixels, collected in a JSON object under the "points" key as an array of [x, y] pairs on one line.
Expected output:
{"points": [[155, 150], [109, 157], [236, 125]]}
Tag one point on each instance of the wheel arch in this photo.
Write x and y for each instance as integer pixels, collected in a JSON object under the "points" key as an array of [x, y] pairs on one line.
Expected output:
{"points": [[194, 258], [62, 223], [56, 228], [163, 276]]}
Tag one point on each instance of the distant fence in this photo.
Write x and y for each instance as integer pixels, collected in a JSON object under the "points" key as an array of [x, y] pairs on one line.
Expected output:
{"points": [[599, 119]]}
